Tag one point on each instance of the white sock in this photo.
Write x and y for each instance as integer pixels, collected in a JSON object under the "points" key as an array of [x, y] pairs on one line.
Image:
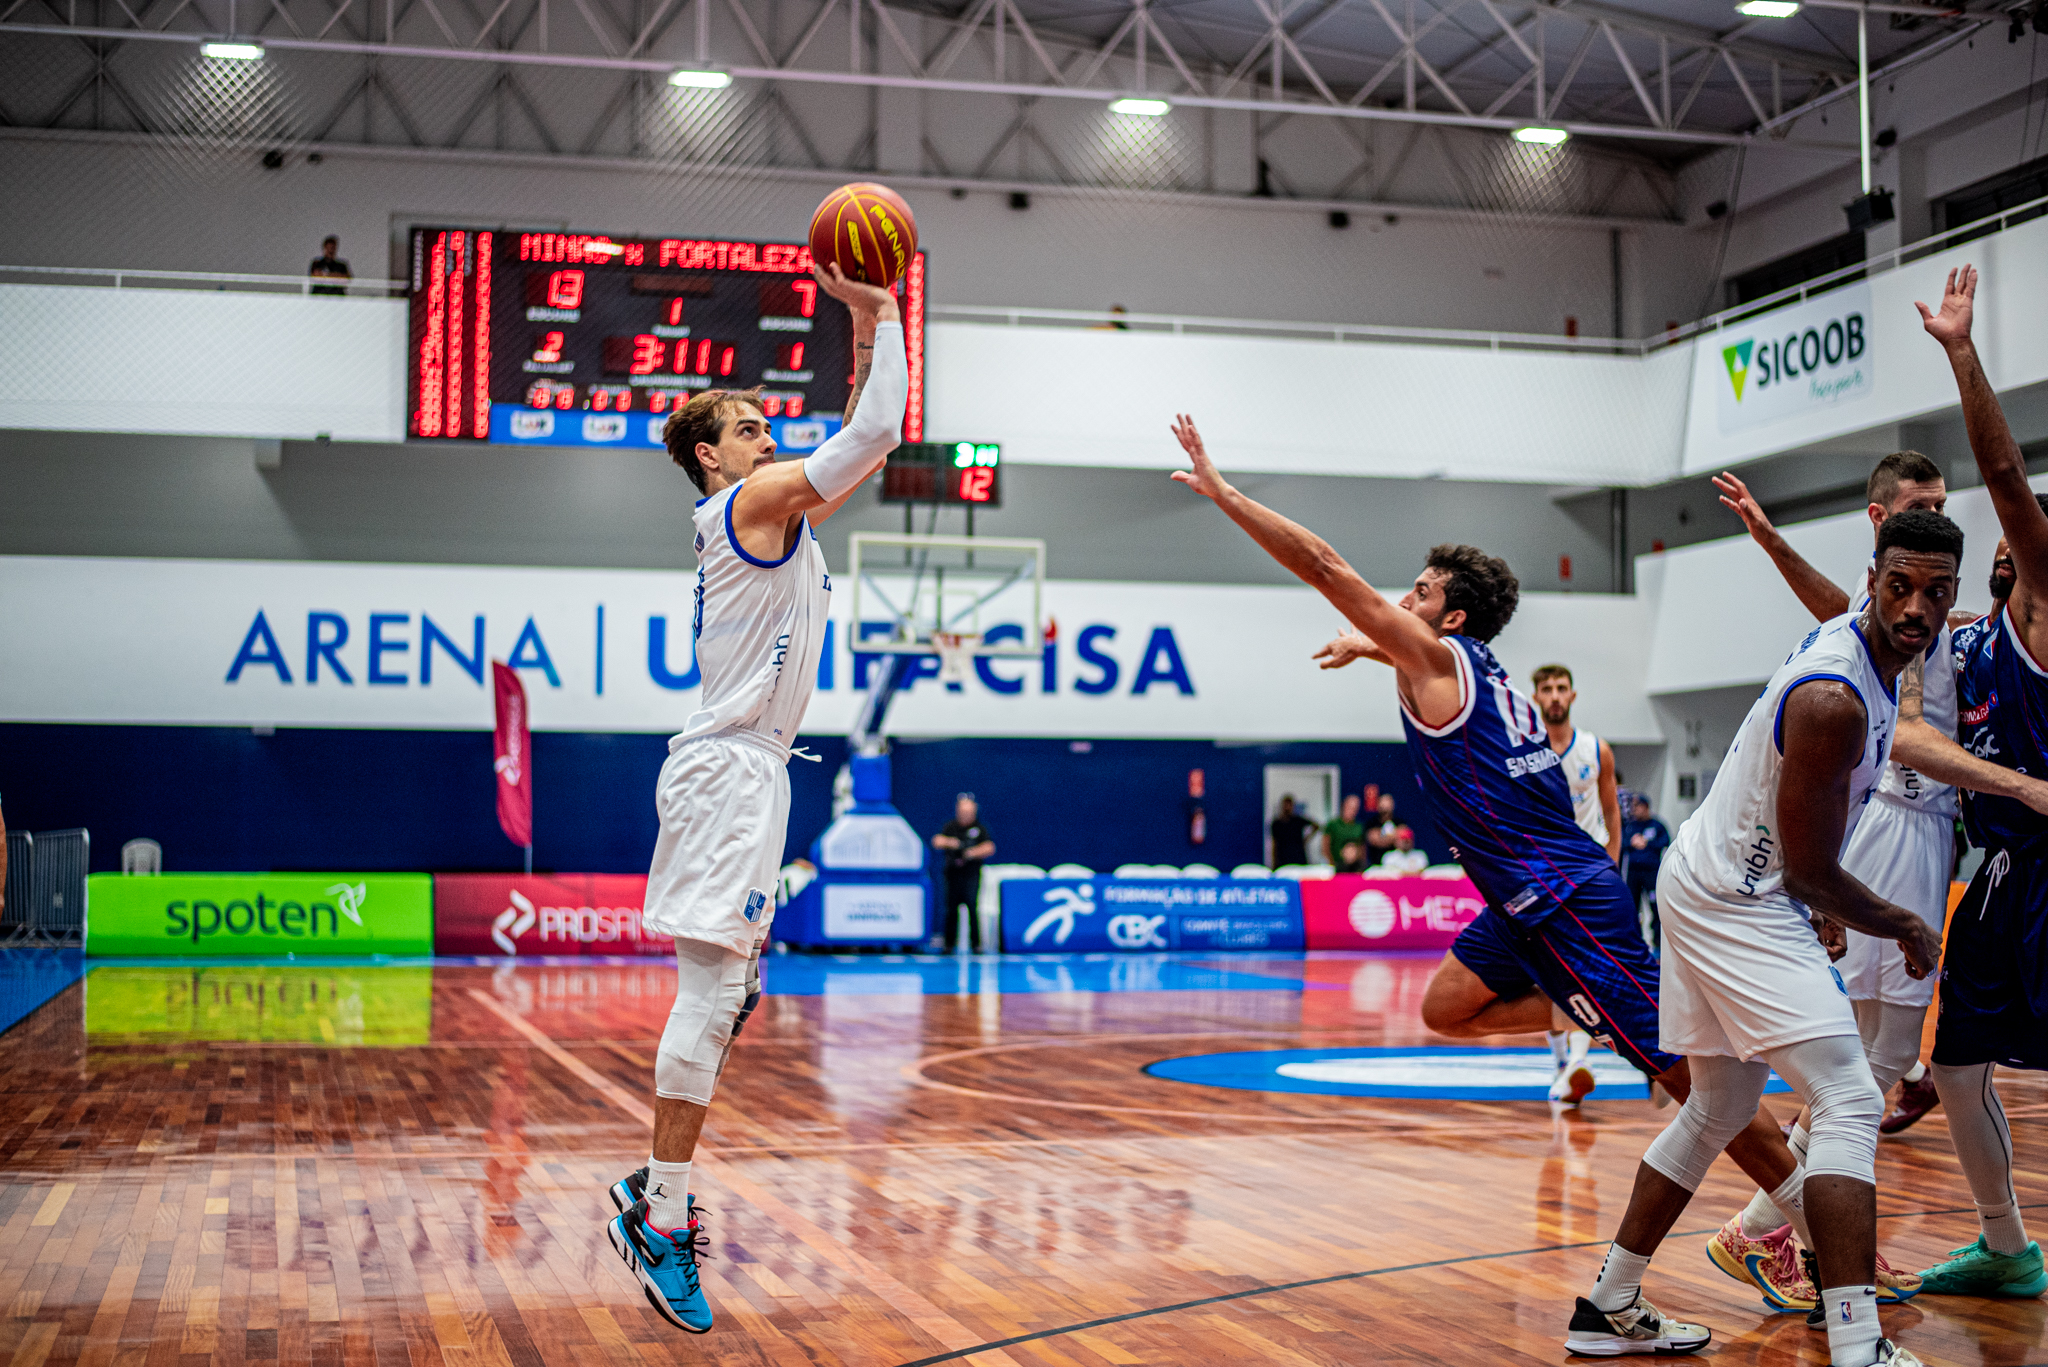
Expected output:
{"points": [[1577, 1045], [1788, 1201], [1559, 1046], [1916, 1072], [1620, 1281], [1798, 1140], [1762, 1215], [1852, 1325], [2004, 1231], [668, 1194]]}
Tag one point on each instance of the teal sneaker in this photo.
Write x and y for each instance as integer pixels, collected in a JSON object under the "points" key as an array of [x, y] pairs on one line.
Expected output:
{"points": [[665, 1265], [1974, 1270]]}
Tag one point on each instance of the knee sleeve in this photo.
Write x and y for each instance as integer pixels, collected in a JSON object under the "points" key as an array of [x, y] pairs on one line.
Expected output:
{"points": [[1725, 1093], [711, 991], [1833, 1078], [1891, 1038]]}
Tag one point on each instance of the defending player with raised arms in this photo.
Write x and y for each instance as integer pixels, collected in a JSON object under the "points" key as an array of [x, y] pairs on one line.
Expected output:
{"points": [[1994, 987], [763, 596], [1559, 924], [1748, 987]]}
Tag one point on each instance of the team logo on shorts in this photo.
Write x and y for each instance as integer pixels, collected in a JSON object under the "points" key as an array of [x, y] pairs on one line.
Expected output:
{"points": [[756, 900]]}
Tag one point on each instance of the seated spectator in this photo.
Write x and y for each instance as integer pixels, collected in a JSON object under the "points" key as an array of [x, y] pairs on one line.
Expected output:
{"points": [[1351, 859], [1404, 857], [1341, 830], [328, 266], [1379, 832]]}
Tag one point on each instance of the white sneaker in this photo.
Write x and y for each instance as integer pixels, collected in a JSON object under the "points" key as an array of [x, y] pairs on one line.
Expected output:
{"points": [[1574, 1080], [1889, 1354], [1638, 1329]]}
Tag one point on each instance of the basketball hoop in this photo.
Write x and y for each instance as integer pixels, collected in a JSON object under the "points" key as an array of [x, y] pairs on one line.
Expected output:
{"points": [[955, 649]]}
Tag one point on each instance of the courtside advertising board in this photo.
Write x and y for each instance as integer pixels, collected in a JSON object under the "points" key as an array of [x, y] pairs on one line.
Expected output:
{"points": [[217, 915]]}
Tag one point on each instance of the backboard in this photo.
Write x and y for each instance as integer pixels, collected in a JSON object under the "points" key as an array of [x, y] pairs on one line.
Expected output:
{"points": [[907, 587]]}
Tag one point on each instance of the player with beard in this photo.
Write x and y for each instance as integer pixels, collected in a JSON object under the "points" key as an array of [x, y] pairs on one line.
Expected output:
{"points": [[1747, 986], [1994, 988], [1588, 765], [1559, 924], [1903, 850]]}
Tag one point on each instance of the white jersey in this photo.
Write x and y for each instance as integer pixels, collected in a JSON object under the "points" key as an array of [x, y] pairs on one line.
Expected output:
{"points": [[1581, 763], [760, 626], [1731, 845], [1908, 787]]}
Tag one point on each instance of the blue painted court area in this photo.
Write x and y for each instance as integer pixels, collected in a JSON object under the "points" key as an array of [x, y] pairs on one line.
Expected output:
{"points": [[1446, 1074], [30, 977], [807, 975]]}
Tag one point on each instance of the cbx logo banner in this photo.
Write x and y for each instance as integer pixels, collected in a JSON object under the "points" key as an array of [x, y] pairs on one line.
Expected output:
{"points": [[1044, 916], [1803, 359], [214, 915], [567, 914]]}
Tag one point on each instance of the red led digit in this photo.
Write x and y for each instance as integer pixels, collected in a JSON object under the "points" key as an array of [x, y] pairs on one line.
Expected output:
{"points": [[565, 397], [675, 313], [807, 292], [703, 366], [796, 405], [725, 360], [600, 400], [648, 353], [625, 400], [550, 348], [974, 484], [771, 406], [565, 290]]}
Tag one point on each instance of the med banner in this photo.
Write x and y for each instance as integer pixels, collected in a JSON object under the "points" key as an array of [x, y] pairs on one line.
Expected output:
{"points": [[311, 643], [225, 915], [570, 914], [1052, 915], [1348, 911]]}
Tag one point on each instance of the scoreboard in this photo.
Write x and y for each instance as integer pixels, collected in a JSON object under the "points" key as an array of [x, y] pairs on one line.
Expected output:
{"points": [[580, 339], [964, 473]]}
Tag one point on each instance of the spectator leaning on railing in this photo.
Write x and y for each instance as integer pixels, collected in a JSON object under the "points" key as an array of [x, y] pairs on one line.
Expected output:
{"points": [[328, 266]]}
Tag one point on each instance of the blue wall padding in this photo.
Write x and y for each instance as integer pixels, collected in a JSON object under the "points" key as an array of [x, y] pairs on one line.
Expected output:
{"points": [[224, 798]]}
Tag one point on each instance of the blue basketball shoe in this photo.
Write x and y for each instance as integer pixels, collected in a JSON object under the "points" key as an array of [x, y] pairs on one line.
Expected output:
{"points": [[631, 1188], [666, 1264]]}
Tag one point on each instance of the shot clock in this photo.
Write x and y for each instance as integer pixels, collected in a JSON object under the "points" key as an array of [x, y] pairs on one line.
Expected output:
{"points": [[581, 339], [965, 473]]}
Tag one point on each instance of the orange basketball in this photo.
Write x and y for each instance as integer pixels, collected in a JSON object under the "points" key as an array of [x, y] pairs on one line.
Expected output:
{"points": [[868, 230]]}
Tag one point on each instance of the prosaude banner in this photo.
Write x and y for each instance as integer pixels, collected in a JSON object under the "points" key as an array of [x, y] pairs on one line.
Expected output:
{"points": [[307, 643], [214, 915], [568, 914]]}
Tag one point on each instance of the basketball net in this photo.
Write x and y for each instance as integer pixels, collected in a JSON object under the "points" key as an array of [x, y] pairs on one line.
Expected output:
{"points": [[955, 649]]}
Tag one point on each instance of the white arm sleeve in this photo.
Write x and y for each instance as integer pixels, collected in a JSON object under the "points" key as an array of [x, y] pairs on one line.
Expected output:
{"points": [[853, 452]]}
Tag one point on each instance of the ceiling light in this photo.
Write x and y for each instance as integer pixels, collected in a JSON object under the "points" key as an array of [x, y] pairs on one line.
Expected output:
{"points": [[233, 52], [1768, 9], [1151, 109], [701, 80], [1548, 137]]}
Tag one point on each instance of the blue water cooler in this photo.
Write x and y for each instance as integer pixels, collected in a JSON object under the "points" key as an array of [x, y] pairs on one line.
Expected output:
{"points": [[871, 888]]}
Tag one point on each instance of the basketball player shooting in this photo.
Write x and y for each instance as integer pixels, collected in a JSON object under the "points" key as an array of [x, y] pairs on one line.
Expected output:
{"points": [[1559, 924], [763, 596]]}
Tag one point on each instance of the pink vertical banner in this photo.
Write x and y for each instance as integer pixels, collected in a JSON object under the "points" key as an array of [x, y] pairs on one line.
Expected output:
{"points": [[514, 757]]}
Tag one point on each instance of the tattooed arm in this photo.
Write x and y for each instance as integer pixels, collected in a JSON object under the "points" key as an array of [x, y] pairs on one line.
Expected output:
{"points": [[1919, 746]]}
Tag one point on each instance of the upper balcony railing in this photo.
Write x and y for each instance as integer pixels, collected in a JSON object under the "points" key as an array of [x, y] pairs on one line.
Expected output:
{"points": [[241, 282]]}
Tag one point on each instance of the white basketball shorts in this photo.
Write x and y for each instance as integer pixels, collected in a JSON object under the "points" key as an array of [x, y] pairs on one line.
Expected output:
{"points": [[724, 811], [1904, 856], [1740, 980]]}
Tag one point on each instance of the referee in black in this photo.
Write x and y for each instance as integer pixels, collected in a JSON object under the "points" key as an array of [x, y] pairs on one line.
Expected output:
{"points": [[966, 844]]}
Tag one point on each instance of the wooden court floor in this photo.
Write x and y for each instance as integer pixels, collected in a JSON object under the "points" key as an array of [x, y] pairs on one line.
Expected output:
{"points": [[405, 1166]]}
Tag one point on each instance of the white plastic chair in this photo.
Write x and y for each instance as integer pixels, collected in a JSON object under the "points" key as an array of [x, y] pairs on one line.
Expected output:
{"points": [[1142, 871], [142, 857], [1251, 871], [1201, 871], [1295, 871], [1444, 871], [1381, 871], [1070, 871], [1317, 871]]}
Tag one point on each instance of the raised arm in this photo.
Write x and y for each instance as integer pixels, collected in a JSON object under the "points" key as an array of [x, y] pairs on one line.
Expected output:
{"points": [[1998, 455], [1920, 746], [1403, 639], [1824, 734], [820, 483], [1814, 590]]}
